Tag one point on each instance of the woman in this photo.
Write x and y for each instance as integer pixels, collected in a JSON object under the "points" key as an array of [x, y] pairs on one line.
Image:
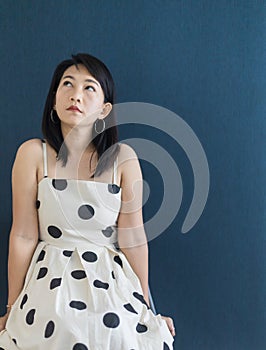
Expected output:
{"points": [[78, 257]]}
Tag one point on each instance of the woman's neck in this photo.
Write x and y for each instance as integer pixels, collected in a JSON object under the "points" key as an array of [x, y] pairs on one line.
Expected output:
{"points": [[78, 140]]}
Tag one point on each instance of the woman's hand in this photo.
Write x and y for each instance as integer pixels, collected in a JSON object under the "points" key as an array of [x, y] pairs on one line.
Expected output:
{"points": [[170, 323], [3, 320]]}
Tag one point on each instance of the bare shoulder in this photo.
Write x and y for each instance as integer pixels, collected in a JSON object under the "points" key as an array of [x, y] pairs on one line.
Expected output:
{"points": [[128, 163], [126, 153], [29, 145], [25, 189], [29, 153]]}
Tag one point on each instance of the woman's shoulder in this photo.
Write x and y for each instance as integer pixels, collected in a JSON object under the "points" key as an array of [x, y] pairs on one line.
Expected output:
{"points": [[28, 158], [128, 162], [34, 145], [126, 152], [30, 150]]}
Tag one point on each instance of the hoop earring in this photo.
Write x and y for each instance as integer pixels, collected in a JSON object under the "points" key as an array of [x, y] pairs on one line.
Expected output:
{"points": [[52, 117], [95, 126]]}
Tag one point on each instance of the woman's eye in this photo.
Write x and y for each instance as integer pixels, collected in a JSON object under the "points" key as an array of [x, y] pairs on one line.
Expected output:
{"points": [[90, 88], [67, 83]]}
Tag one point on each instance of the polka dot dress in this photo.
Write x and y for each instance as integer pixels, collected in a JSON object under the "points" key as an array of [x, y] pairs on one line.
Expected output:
{"points": [[80, 292]]}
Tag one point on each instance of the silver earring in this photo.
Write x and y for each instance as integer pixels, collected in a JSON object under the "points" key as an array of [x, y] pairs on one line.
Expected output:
{"points": [[52, 117], [95, 126]]}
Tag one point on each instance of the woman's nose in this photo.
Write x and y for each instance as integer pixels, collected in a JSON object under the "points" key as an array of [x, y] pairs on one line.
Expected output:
{"points": [[76, 96], [75, 99]]}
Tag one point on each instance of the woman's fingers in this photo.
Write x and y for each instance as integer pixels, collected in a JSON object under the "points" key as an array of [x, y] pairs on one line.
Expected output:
{"points": [[170, 324], [3, 320]]}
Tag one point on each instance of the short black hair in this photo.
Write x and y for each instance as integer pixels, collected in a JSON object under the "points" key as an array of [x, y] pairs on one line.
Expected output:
{"points": [[103, 141]]}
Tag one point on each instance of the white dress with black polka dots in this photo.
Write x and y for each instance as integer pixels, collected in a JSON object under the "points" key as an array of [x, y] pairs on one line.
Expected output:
{"points": [[80, 292]]}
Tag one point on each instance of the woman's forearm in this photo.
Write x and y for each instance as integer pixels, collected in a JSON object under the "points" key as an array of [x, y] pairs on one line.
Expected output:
{"points": [[138, 259], [21, 250]]}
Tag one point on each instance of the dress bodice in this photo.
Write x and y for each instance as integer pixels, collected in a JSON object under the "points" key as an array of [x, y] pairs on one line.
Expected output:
{"points": [[75, 211], [72, 211]]}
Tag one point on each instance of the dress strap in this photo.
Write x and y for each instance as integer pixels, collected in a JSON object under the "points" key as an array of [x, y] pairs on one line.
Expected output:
{"points": [[44, 158], [115, 172]]}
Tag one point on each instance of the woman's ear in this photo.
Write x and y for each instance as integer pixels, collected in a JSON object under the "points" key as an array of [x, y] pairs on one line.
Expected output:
{"points": [[106, 109]]}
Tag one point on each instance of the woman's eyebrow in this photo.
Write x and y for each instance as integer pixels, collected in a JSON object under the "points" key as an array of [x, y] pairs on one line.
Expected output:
{"points": [[87, 80], [92, 81]]}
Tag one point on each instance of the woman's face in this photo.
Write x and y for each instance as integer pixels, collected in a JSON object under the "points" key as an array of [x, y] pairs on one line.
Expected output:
{"points": [[79, 96]]}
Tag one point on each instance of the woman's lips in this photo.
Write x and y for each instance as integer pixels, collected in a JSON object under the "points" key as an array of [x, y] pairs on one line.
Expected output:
{"points": [[74, 108]]}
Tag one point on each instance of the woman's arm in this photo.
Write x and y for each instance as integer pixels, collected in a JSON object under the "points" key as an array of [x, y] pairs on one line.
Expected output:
{"points": [[131, 234], [24, 230]]}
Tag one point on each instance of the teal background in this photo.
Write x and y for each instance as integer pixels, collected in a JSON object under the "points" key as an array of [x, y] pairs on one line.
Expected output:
{"points": [[205, 61]]}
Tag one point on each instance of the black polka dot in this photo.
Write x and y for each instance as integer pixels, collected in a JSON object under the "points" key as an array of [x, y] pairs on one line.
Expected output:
{"points": [[59, 184], [89, 256], [80, 346], [54, 231], [85, 211], [49, 330], [42, 272], [114, 189], [141, 328], [14, 340], [41, 256], [78, 274], [111, 320], [30, 316], [38, 203], [55, 282], [165, 346], [140, 298], [1, 348], [67, 253], [130, 308], [108, 231], [118, 260], [116, 246], [113, 275], [79, 305], [100, 284], [23, 302]]}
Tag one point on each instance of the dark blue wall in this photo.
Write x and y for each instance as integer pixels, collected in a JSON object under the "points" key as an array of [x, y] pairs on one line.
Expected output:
{"points": [[204, 60]]}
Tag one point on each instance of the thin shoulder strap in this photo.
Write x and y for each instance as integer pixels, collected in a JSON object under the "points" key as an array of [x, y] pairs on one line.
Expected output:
{"points": [[115, 172], [44, 159]]}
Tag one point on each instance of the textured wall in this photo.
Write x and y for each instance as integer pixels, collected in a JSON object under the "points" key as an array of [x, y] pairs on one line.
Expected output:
{"points": [[205, 61]]}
